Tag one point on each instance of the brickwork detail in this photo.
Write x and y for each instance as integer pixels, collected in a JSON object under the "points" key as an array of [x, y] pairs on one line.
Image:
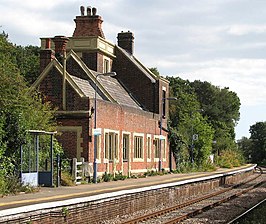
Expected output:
{"points": [[88, 26]]}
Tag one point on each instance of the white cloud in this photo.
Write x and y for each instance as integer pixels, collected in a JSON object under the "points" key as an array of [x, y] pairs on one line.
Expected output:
{"points": [[244, 29], [246, 77], [221, 41], [32, 4]]}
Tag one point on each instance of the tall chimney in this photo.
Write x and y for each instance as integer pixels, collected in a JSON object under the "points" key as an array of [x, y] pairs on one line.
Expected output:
{"points": [[60, 43], [126, 41], [88, 25], [46, 55]]}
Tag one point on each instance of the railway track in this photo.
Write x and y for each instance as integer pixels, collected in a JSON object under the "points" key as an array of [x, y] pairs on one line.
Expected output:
{"points": [[235, 220], [190, 208]]}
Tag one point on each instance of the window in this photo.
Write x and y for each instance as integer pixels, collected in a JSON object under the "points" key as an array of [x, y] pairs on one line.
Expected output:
{"points": [[125, 147], [98, 137], [164, 104], [163, 148], [156, 148], [148, 147], [138, 147], [106, 66], [111, 146]]}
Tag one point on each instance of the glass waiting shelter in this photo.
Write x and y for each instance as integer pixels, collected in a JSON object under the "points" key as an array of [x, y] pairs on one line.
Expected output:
{"points": [[37, 159]]}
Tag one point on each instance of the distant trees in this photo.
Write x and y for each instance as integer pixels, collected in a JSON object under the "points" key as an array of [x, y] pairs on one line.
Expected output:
{"points": [[254, 148], [202, 121], [221, 107]]}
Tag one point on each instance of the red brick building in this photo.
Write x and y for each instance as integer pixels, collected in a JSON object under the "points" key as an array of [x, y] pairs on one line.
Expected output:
{"points": [[129, 105]]}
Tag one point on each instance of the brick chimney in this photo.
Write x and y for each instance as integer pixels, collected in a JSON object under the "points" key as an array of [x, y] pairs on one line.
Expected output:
{"points": [[60, 43], [126, 41], [46, 55], [88, 25]]}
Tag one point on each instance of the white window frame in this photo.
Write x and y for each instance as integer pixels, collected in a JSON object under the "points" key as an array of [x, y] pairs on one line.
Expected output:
{"points": [[129, 146], [163, 142], [149, 147], [115, 146], [141, 135], [106, 64]]}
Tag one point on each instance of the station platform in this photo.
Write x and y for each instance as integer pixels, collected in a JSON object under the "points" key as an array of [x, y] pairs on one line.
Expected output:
{"points": [[51, 197]]}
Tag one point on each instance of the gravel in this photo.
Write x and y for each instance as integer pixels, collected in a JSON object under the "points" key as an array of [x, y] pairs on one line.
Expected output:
{"points": [[219, 214]]}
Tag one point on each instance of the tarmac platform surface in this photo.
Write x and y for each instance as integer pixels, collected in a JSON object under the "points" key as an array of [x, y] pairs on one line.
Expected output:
{"points": [[45, 194]]}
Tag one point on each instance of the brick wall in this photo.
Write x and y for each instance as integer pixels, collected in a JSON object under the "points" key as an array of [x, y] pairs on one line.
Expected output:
{"points": [[99, 211], [146, 92], [117, 118]]}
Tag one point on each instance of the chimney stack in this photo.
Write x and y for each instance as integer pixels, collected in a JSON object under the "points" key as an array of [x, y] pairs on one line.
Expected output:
{"points": [[60, 43], [126, 41], [88, 25], [46, 55]]}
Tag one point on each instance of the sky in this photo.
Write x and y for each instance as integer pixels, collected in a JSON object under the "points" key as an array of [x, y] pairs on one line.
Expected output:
{"points": [[219, 41]]}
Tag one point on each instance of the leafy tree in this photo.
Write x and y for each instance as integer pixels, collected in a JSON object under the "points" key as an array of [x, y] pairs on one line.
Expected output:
{"points": [[155, 71], [245, 145], [186, 122], [28, 61], [258, 139], [221, 106], [20, 110]]}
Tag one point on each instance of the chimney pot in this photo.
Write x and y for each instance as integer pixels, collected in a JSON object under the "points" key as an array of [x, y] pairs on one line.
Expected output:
{"points": [[88, 11], [94, 11], [47, 43], [82, 9], [90, 25]]}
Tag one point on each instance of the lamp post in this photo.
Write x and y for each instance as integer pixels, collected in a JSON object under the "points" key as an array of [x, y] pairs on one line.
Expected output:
{"points": [[160, 139], [111, 74]]}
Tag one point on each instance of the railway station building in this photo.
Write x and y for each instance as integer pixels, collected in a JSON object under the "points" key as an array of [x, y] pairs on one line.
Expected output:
{"points": [[77, 77]]}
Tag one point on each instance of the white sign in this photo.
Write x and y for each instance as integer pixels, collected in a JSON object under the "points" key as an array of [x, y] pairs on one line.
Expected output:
{"points": [[97, 131], [195, 137]]}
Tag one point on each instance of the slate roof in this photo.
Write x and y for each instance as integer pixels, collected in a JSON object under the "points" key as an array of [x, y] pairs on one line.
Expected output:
{"points": [[111, 84]]}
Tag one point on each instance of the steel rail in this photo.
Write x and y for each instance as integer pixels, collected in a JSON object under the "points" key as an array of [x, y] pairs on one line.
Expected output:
{"points": [[185, 204], [246, 212], [209, 206]]}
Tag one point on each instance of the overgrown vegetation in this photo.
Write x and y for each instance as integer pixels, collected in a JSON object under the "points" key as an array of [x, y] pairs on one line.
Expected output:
{"points": [[201, 124], [20, 110]]}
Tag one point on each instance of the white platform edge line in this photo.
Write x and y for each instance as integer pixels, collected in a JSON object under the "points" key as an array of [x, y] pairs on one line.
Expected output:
{"points": [[106, 196]]}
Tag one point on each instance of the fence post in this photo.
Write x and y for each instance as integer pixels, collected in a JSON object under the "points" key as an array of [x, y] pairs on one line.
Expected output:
{"points": [[57, 170], [82, 160], [74, 169]]}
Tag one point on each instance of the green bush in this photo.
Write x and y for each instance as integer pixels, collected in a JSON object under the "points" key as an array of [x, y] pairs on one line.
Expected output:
{"points": [[230, 159], [107, 177], [66, 179], [119, 176]]}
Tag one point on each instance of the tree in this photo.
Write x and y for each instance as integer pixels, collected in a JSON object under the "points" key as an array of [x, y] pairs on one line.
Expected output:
{"points": [[186, 121], [20, 110], [28, 62], [245, 145], [258, 139], [155, 71], [221, 106]]}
